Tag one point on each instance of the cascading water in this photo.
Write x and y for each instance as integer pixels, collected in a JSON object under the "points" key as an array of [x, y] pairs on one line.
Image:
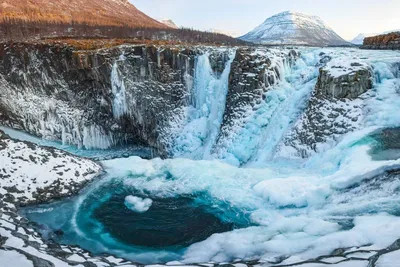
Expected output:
{"points": [[207, 110], [118, 90], [283, 212]]}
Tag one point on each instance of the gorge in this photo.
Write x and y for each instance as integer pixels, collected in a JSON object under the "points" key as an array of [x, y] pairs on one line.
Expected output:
{"points": [[289, 154]]}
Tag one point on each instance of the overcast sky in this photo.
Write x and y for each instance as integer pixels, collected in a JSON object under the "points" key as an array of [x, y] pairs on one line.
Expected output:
{"points": [[346, 17]]}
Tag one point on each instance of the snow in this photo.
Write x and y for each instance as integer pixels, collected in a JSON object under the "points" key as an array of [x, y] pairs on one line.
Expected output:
{"points": [[293, 28], [138, 204], [169, 23], [296, 212], [292, 239], [359, 39], [340, 66], [389, 260], [13, 258], [27, 169], [33, 168]]}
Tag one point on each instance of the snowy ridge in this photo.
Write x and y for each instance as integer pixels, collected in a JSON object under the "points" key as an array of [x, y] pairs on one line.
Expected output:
{"points": [[170, 23], [359, 39], [294, 28]]}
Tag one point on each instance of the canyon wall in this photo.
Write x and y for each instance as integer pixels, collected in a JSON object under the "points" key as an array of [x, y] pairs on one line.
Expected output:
{"points": [[236, 104], [94, 99]]}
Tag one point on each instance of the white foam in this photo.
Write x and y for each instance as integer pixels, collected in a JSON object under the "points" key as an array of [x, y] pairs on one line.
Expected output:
{"points": [[138, 204]]}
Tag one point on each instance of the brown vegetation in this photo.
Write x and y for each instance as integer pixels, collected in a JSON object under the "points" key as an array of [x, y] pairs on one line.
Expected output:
{"points": [[26, 20], [385, 41], [20, 30], [90, 12]]}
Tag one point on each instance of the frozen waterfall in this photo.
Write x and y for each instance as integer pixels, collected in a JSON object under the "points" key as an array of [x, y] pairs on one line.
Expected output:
{"points": [[205, 115], [118, 89]]}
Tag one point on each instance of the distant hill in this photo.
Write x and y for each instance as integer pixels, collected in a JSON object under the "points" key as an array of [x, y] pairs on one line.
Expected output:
{"points": [[359, 39], [228, 33], [91, 12], [389, 41], [170, 23], [30, 20], [294, 28]]}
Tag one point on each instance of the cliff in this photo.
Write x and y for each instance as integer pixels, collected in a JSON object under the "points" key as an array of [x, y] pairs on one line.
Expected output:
{"points": [[80, 97], [386, 41]]}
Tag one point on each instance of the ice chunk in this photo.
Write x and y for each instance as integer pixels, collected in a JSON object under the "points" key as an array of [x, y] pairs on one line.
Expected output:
{"points": [[138, 204]]}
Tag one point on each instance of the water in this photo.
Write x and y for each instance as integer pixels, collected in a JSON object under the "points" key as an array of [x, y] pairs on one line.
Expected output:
{"points": [[205, 208], [96, 154], [100, 221], [206, 113]]}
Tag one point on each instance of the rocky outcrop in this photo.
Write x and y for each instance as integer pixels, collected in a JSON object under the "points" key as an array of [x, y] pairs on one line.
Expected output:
{"points": [[344, 82], [390, 41], [30, 174], [334, 108]]}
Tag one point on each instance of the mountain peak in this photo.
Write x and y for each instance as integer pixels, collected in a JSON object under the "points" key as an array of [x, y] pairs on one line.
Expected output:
{"points": [[170, 23], [294, 28]]}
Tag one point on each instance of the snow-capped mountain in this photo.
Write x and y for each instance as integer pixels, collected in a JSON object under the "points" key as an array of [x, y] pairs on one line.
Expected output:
{"points": [[294, 28], [228, 33], [359, 39], [170, 23]]}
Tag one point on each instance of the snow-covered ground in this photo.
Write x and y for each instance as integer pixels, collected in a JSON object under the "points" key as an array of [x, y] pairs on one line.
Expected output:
{"points": [[33, 174], [28, 168]]}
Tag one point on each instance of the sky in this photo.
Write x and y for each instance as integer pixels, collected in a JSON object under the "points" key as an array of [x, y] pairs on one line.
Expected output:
{"points": [[347, 17]]}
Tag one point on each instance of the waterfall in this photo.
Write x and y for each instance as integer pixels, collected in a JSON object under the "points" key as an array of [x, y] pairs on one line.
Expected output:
{"points": [[206, 112], [255, 136], [118, 89]]}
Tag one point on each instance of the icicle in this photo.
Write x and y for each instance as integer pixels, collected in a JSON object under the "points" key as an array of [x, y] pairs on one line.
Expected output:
{"points": [[118, 90], [94, 137]]}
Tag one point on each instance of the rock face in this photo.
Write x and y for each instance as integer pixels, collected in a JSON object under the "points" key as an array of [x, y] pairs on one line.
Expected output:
{"points": [[386, 41], [100, 98], [334, 108], [80, 97], [344, 81], [294, 28]]}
